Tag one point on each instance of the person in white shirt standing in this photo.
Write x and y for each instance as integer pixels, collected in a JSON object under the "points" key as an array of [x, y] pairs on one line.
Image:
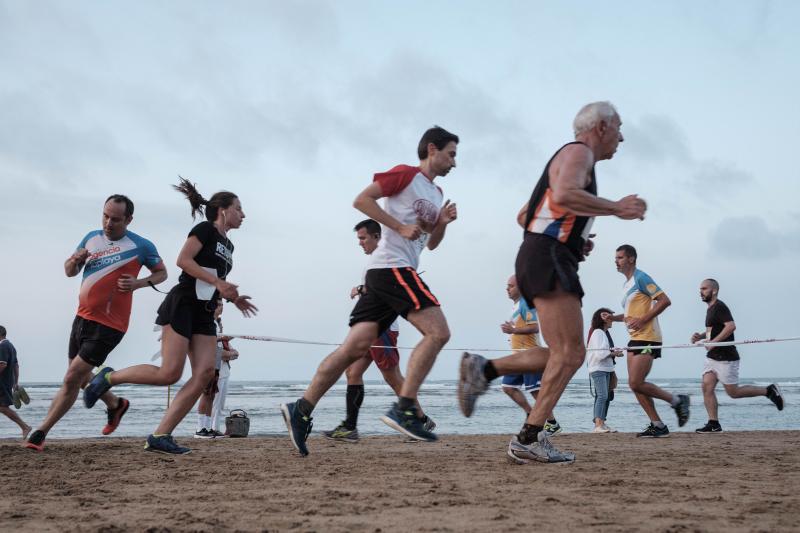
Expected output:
{"points": [[600, 354], [414, 217]]}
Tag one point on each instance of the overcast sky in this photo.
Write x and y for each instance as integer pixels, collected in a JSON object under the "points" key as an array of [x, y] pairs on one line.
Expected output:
{"points": [[294, 106]]}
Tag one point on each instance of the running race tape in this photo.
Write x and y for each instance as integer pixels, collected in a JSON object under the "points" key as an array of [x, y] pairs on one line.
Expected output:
{"points": [[621, 348]]}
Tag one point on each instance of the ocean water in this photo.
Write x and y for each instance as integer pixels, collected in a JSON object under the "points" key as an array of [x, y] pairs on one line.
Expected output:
{"points": [[495, 413]]}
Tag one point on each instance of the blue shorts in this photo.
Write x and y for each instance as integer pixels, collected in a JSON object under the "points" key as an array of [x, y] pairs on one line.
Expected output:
{"points": [[526, 382]]}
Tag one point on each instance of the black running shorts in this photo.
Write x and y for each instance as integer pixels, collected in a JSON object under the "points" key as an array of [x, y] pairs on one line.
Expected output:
{"points": [[541, 262], [92, 341], [652, 348], [187, 315], [391, 292]]}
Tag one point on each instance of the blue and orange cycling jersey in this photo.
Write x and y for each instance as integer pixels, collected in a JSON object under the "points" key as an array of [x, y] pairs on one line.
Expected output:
{"points": [[100, 299]]}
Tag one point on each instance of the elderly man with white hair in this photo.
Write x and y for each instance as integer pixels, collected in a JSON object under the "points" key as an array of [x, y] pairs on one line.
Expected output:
{"points": [[557, 221]]}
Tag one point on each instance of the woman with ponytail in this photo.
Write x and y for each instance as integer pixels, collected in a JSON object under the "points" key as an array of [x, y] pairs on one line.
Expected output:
{"points": [[600, 354], [187, 315]]}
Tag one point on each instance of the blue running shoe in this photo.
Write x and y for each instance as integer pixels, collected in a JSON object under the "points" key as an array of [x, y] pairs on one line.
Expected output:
{"points": [[299, 426], [97, 387], [165, 444], [407, 423]]}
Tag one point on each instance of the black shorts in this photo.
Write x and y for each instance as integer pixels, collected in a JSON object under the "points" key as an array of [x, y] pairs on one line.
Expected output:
{"points": [[187, 315], [654, 352], [541, 261], [391, 292], [92, 341]]}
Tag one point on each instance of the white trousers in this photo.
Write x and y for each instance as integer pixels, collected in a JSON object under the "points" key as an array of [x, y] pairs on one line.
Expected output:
{"points": [[217, 414]]}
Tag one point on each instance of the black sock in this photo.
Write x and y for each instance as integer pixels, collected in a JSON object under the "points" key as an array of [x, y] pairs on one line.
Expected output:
{"points": [[354, 398], [528, 434], [305, 407], [552, 421], [489, 371], [404, 404]]}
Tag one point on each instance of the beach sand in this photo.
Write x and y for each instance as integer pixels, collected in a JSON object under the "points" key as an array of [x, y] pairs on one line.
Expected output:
{"points": [[745, 481]]}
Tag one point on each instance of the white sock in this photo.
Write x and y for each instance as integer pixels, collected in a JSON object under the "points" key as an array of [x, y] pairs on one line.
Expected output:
{"points": [[207, 422], [675, 400], [201, 419], [659, 424]]}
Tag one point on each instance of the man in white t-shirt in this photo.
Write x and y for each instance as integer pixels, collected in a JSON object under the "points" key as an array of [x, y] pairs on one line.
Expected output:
{"points": [[414, 217], [383, 352]]}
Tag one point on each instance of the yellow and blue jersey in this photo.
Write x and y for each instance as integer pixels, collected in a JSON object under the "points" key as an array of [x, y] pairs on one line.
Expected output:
{"points": [[638, 294], [521, 316]]}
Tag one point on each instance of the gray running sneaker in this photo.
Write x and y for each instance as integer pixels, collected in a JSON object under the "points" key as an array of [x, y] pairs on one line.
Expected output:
{"points": [[682, 409], [471, 381], [552, 429], [541, 451], [341, 433]]}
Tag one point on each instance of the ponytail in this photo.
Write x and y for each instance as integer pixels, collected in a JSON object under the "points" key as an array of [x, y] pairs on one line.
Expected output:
{"points": [[210, 208], [191, 193]]}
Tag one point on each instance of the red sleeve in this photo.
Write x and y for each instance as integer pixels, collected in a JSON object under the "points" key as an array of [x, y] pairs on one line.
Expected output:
{"points": [[395, 180]]}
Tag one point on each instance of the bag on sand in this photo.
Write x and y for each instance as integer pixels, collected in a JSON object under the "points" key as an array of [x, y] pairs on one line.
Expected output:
{"points": [[237, 424]]}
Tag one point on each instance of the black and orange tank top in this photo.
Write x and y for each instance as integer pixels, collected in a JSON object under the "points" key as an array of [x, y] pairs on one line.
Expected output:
{"points": [[546, 217]]}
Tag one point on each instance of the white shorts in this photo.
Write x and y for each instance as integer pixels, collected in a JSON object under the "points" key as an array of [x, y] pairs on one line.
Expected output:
{"points": [[727, 371]]}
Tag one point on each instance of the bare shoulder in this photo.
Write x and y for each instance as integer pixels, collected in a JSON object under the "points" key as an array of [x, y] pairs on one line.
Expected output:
{"points": [[574, 163]]}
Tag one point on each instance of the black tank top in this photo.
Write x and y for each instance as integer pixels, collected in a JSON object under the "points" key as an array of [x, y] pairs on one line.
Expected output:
{"points": [[546, 217]]}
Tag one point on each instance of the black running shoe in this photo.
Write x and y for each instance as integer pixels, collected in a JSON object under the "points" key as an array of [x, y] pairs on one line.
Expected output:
{"points": [[115, 416], [204, 434], [710, 427], [97, 387], [653, 432], [36, 441], [682, 409], [775, 396], [407, 423], [165, 444], [299, 426]]}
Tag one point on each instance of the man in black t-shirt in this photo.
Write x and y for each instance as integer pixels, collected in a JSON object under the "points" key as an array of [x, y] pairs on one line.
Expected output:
{"points": [[722, 362], [9, 378]]}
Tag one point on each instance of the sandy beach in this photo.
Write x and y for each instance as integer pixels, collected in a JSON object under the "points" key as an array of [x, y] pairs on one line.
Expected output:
{"points": [[740, 481]]}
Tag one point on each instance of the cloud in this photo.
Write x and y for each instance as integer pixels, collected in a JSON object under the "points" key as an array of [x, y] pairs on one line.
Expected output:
{"points": [[656, 138], [750, 238], [714, 177]]}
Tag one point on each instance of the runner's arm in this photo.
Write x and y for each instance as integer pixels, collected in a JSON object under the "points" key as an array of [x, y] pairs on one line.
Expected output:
{"points": [[186, 262], [571, 172], [726, 332], [662, 302], [158, 275], [75, 262], [447, 214], [367, 203]]}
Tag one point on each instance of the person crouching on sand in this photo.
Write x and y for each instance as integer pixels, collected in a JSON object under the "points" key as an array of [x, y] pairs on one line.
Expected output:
{"points": [[187, 315]]}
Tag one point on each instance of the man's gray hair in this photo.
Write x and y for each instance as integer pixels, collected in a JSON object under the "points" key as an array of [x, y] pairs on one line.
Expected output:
{"points": [[592, 114]]}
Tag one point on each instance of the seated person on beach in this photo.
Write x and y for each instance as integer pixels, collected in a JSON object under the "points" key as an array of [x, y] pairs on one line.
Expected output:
{"points": [[722, 362], [523, 330], [600, 354]]}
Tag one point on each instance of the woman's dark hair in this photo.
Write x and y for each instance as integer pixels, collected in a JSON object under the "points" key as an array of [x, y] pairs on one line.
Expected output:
{"points": [[211, 207], [597, 320]]}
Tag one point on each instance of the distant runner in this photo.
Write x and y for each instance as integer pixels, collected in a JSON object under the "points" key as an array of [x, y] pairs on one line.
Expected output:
{"points": [[722, 362]]}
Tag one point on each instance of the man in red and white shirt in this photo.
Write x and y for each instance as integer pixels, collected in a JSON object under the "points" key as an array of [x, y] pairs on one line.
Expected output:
{"points": [[414, 217]]}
